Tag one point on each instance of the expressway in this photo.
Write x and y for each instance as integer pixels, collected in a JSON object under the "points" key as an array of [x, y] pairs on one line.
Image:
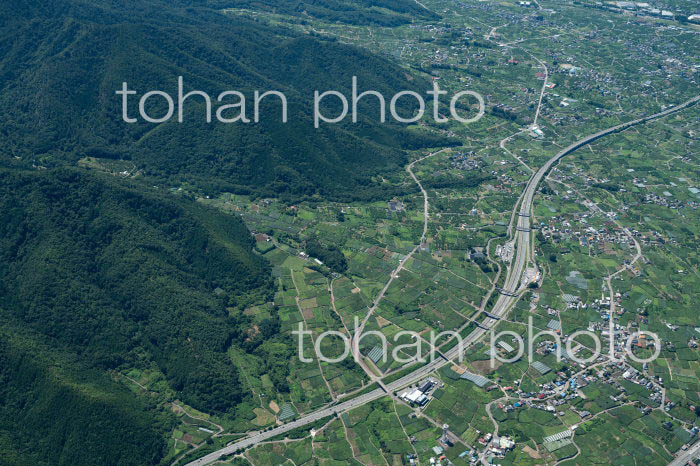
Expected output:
{"points": [[514, 283]]}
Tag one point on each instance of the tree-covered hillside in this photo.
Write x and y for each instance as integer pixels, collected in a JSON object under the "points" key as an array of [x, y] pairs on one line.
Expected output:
{"points": [[380, 12], [99, 273], [114, 275], [62, 62], [54, 410], [124, 275]]}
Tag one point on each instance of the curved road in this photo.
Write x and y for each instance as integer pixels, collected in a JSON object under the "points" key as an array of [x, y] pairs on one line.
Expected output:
{"points": [[359, 331], [515, 282]]}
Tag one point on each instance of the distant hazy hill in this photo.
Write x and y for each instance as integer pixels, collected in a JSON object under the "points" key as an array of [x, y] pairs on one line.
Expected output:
{"points": [[63, 61]]}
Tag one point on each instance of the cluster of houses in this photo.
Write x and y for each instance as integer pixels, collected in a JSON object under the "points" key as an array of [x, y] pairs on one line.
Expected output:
{"points": [[396, 205], [567, 386], [560, 229], [465, 161], [666, 200], [641, 8], [646, 9], [496, 446]]}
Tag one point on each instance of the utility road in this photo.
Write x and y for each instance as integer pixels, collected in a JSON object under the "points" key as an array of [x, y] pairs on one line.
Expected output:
{"points": [[514, 284], [395, 274]]}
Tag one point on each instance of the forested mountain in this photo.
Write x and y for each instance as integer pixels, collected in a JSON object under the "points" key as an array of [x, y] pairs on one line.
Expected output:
{"points": [[56, 411], [120, 273], [115, 276], [100, 273], [62, 62], [381, 12]]}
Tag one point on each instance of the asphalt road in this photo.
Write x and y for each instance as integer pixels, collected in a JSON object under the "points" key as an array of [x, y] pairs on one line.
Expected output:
{"points": [[685, 456], [514, 282]]}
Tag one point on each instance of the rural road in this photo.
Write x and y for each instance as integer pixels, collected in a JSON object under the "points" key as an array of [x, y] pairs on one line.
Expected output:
{"points": [[515, 281], [357, 335]]}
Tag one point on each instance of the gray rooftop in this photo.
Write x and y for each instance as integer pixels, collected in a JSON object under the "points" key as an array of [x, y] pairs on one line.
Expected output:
{"points": [[554, 324], [479, 380], [541, 367]]}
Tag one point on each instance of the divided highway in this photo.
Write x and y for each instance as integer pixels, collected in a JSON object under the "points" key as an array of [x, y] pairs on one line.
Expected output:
{"points": [[514, 283]]}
